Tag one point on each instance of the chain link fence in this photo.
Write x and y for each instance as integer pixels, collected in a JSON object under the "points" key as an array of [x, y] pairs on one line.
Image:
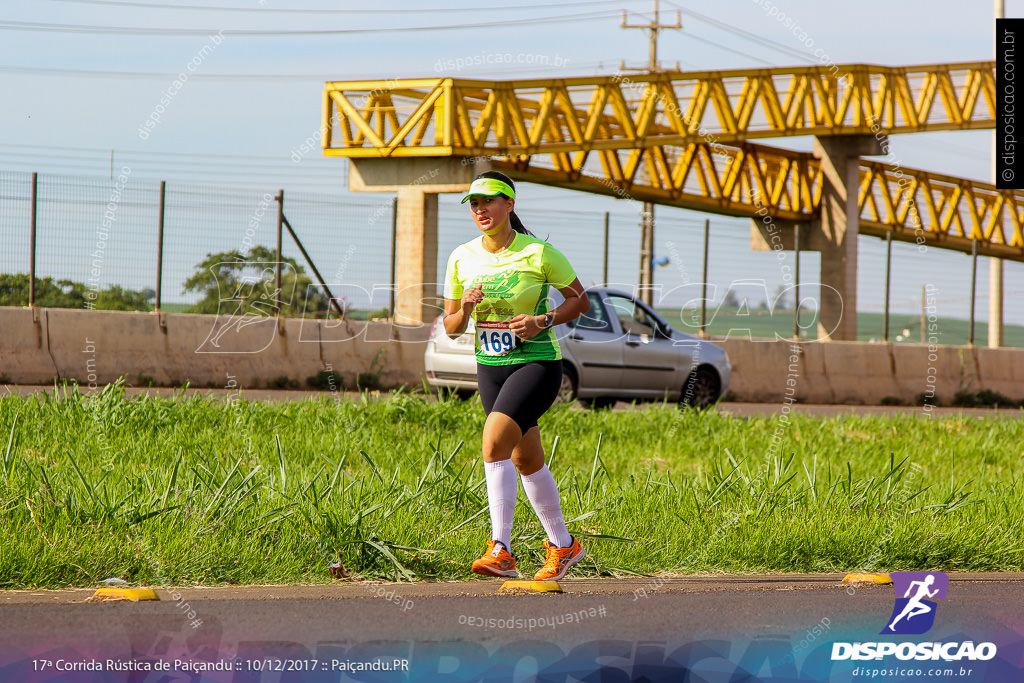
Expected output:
{"points": [[97, 243]]}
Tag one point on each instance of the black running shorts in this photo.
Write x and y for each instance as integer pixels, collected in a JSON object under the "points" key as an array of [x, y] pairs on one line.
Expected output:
{"points": [[523, 391]]}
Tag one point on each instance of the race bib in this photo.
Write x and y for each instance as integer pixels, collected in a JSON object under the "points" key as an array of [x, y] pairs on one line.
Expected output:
{"points": [[494, 338]]}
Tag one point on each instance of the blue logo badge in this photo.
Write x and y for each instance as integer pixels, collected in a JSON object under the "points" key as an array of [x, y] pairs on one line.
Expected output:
{"points": [[914, 612]]}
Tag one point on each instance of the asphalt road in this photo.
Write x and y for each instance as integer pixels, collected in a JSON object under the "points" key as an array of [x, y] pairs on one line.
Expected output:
{"points": [[770, 625]]}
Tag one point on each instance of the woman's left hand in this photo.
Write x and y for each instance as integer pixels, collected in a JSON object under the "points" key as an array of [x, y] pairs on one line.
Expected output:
{"points": [[525, 326]]}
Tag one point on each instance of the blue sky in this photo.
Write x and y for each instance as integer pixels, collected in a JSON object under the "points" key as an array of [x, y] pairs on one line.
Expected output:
{"points": [[234, 116], [70, 99]]}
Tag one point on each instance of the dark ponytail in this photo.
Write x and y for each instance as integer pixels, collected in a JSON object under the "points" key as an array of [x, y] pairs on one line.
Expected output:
{"points": [[517, 225], [513, 219]]}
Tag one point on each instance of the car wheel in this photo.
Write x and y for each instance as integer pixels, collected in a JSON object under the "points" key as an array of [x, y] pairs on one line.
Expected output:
{"points": [[702, 388], [567, 391], [599, 403], [450, 393]]}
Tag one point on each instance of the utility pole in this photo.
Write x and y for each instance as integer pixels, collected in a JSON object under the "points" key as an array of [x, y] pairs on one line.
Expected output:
{"points": [[647, 254], [647, 222], [653, 27], [923, 316], [995, 264]]}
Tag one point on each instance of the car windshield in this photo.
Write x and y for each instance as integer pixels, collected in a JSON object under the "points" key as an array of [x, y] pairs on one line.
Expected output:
{"points": [[633, 317], [596, 318]]}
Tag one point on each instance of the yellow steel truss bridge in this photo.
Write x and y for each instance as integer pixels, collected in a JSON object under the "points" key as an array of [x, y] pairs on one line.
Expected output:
{"points": [[684, 139]]}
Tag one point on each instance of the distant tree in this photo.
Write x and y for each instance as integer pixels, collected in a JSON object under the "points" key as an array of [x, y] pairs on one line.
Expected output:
{"points": [[52, 293], [730, 300], [233, 283], [114, 298], [781, 298]]}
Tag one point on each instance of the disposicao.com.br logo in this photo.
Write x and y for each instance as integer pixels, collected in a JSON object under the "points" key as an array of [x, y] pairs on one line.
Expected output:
{"points": [[913, 614]]}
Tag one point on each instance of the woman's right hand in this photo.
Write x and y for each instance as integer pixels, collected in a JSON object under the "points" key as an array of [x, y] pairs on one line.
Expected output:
{"points": [[471, 297]]}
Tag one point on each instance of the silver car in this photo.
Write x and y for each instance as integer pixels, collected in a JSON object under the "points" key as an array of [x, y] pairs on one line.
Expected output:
{"points": [[619, 350]]}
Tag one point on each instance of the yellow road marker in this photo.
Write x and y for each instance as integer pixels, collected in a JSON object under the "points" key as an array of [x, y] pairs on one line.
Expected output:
{"points": [[133, 594], [513, 586], [879, 579]]}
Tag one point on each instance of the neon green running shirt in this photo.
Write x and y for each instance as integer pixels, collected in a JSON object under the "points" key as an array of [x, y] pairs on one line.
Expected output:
{"points": [[514, 281]]}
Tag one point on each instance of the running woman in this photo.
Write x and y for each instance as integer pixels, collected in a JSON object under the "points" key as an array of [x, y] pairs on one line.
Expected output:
{"points": [[501, 279]]}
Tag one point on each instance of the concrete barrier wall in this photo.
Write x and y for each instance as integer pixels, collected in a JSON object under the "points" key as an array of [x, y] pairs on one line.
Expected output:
{"points": [[865, 373], [210, 351], [24, 344], [96, 347]]}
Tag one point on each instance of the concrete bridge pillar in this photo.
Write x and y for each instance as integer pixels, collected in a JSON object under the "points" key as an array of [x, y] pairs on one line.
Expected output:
{"points": [[833, 233], [417, 181], [416, 295], [840, 221]]}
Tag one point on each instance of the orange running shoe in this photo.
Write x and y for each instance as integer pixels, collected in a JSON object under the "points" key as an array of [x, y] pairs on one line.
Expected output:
{"points": [[496, 561], [559, 560]]}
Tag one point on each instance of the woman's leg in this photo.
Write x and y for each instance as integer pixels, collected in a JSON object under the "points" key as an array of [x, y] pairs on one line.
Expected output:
{"points": [[511, 439], [525, 394], [513, 398], [528, 455], [501, 434], [540, 487]]}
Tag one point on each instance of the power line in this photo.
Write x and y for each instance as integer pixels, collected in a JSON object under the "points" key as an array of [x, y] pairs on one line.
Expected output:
{"points": [[150, 75], [742, 33], [107, 150], [82, 73], [289, 10], [248, 33], [283, 162], [728, 49], [314, 169], [252, 183], [262, 179]]}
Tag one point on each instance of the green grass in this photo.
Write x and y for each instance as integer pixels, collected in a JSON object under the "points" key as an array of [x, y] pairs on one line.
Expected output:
{"points": [[175, 308], [180, 491]]}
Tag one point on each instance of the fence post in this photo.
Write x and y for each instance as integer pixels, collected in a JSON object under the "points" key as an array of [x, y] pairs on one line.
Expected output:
{"points": [[277, 273], [888, 285], [923, 316], [394, 257], [160, 249], [796, 266], [704, 282], [607, 219], [32, 248]]}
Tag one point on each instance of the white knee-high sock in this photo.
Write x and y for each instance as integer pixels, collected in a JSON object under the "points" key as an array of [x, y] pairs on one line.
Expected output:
{"points": [[502, 488], [542, 491]]}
